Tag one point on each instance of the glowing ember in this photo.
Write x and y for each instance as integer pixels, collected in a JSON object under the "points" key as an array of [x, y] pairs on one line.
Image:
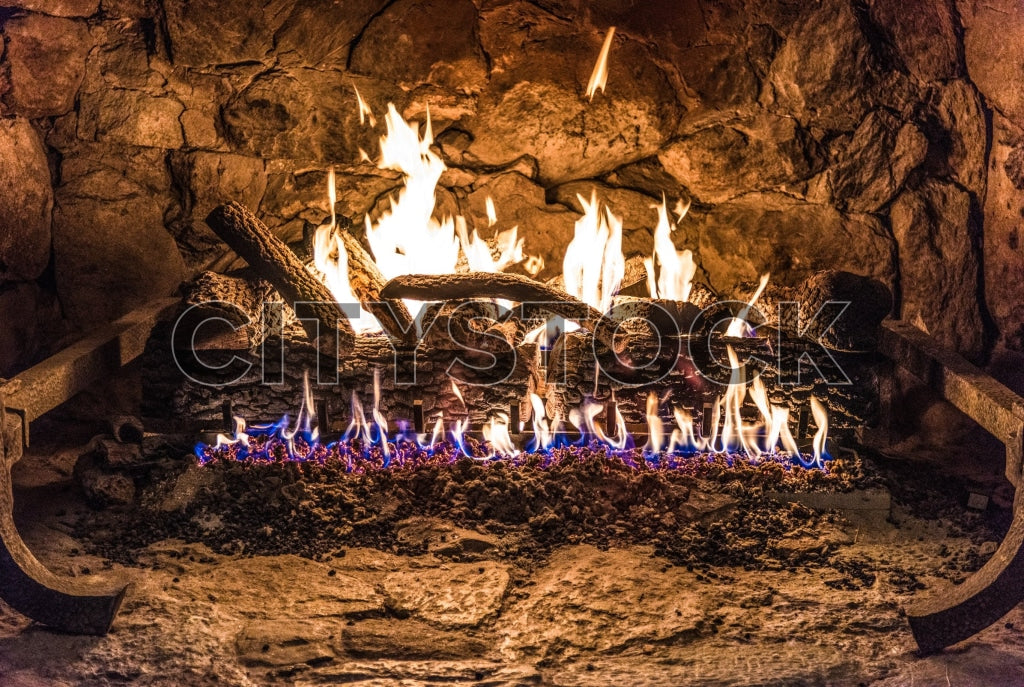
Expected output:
{"points": [[599, 77]]}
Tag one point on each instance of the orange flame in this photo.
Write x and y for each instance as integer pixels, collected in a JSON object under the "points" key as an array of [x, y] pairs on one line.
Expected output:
{"points": [[599, 77], [739, 327], [593, 266], [676, 269], [365, 113]]}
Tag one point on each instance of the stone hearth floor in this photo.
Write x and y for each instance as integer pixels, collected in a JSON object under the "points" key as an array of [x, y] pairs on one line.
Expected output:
{"points": [[583, 616]]}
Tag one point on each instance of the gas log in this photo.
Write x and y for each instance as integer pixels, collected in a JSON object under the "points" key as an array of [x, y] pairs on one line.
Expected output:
{"points": [[252, 240], [367, 283], [265, 383], [235, 298], [512, 287], [645, 346]]}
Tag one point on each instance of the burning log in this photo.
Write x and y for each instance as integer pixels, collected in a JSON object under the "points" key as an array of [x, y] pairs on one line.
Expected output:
{"points": [[367, 282], [252, 240], [511, 287]]}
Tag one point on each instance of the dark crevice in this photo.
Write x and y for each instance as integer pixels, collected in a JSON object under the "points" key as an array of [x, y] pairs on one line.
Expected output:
{"points": [[878, 38], [990, 333], [359, 36], [161, 32]]}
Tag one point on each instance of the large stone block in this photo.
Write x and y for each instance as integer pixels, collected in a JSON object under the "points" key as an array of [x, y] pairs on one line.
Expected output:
{"points": [[19, 312], [26, 204], [758, 153], [207, 180], [132, 117], [318, 33], [936, 231], [924, 36], [307, 114], [771, 232], [57, 8], [960, 139], [111, 250], [1004, 258], [825, 69], [46, 56], [995, 58], [873, 165], [417, 42], [535, 101], [244, 31]]}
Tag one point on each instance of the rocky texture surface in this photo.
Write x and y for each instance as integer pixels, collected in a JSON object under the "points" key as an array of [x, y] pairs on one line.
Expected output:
{"points": [[453, 604], [808, 135]]}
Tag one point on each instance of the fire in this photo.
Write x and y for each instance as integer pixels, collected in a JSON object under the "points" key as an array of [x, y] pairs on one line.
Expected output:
{"points": [[655, 427], [593, 266], [731, 434], [492, 214], [675, 269], [599, 77], [739, 326], [365, 113], [408, 239], [821, 419], [496, 433], [684, 438], [330, 259]]}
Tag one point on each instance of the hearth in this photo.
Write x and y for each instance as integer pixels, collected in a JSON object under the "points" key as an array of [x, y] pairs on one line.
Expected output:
{"points": [[522, 290]]}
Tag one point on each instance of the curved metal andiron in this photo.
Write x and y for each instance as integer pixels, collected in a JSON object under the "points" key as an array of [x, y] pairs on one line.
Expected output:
{"points": [[985, 597], [34, 591], [990, 593], [28, 587]]}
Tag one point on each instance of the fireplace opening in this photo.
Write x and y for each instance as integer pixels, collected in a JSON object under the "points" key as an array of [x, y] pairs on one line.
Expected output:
{"points": [[508, 342]]}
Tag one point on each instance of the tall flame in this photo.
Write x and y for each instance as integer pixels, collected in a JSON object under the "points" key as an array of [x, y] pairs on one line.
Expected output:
{"points": [[676, 269], [330, 259], [655, 427], [684, 436], [599, 77], [593, 266], [820, 419], [496, 432], [407, 239]]}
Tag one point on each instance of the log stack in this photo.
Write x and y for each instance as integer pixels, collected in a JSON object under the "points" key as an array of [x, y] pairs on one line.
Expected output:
{"points": [[258, 363]]}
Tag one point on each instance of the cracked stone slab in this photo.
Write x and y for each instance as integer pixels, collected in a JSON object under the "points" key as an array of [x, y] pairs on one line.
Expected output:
{"points": [[454, 595]]}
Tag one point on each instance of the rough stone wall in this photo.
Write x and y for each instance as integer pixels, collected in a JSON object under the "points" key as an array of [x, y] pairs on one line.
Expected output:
{"points": [[835, 134]]}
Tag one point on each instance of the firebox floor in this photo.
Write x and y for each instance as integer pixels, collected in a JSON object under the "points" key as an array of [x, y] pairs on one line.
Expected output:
{"points": [[461, 612]]}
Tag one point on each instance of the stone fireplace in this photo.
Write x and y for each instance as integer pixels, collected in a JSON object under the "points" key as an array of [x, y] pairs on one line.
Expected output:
{"points": [[871, 139]]}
